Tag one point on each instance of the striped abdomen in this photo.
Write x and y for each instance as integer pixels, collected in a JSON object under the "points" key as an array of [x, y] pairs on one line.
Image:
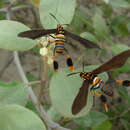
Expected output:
{"points": [[59, 44], [105, 88]]}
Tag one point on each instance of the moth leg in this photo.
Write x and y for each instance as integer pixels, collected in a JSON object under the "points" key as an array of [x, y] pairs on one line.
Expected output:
{"points": [[69, 61], [93, 100], [52, 36], [55, 63], [125, 83], [103, 100], [97, 94], [94, 94], [51, 42]]}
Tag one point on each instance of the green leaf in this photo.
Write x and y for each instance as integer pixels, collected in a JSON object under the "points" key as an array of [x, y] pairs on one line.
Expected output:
{"points": [[92, 119], [81, 21], [118, 48], [106, 1], [100, 27], [119, 19], [2, 3], [31, 106], [31, 77], [89, 36], [13, 93], [63, 90], [119, 25], [9, 84], [126, 124], [121, 30], [63, 10], [123, 69], [107, 10], [123, 92], [9, 39], [107, 125], [36, 3], [53, 114], [118, 3], [15, 117], [128, 26], [81, 128]]}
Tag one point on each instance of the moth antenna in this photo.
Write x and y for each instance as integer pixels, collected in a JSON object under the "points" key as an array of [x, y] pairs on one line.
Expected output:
{"points": [[73, 73], [83, 64], [55, 18]]}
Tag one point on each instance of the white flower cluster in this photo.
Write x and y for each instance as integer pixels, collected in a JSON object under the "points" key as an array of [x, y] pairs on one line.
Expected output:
{"points": [[42, 41], [43, 51], [47, 46]]}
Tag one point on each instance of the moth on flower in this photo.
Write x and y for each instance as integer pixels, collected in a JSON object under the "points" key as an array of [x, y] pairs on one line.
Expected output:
{"points": [[49, 46]]}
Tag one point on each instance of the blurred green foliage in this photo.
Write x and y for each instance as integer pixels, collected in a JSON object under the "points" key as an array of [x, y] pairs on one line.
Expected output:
{"points": [[9, 39], [63, 15], [2, 16], [16, 117], [106, 125], [13, 93], [92, 119], [108, 24]]}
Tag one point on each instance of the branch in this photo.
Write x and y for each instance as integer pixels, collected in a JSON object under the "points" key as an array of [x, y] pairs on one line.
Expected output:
{"points": [[39, 108], [43, 77], [21, 7], [3, 10], [6, 65]]}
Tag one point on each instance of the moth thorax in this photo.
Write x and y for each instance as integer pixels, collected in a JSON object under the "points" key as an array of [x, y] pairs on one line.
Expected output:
{"points": [[86, 75], [60, 27], [96, 80]]}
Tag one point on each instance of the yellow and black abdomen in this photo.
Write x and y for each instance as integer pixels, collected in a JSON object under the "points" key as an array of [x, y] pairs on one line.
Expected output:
{"points": [[58, 51], [59, 44]]}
